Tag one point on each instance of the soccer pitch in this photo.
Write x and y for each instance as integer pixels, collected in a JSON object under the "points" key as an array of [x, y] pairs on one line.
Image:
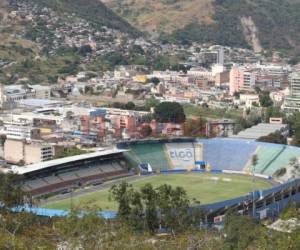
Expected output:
{"points": [[206, 188]]}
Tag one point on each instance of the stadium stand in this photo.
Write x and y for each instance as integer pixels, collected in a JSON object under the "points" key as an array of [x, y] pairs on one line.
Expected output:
{"points": [[229, 154], [282, 160], [219, 153], [62, 174], [272, 157], [148, 153]]}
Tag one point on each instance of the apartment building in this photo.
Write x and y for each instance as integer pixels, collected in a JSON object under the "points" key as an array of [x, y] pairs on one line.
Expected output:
{"points": [[241, 79], [292, 101], [24, 152]]}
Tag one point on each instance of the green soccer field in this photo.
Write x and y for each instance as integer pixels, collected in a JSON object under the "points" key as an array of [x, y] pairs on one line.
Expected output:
{"points": [[206, 188]]}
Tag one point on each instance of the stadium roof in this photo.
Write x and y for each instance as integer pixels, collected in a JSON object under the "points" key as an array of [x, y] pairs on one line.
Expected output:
{"points": [[261, 129], [51, 163]]}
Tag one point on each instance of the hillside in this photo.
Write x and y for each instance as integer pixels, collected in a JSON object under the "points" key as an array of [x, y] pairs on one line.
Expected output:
{"points": [[260, 24], [93, 11], [272, 24], [163, 15], [42, 40]]}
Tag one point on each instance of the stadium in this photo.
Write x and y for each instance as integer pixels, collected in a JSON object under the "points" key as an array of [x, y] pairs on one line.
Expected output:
{"points": [[220, 173]]}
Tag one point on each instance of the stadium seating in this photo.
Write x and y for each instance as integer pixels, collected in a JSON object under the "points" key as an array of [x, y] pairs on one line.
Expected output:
{"points": [[282, 160], [229, 154], [149, 153], [88, 172], [68, 176], [52, 179], [265, 155], [219, 154], [36, 183]]}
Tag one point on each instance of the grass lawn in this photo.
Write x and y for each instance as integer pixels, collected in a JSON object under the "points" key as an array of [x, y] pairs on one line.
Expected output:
{"points": [[192, 111], [206, 188]]}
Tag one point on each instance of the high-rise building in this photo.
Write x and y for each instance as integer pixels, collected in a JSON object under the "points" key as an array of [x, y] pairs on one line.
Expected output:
{"points": [[292, 101], [241, 79]]}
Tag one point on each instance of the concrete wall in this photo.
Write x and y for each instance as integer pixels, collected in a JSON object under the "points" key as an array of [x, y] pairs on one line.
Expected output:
{"points": [[32, 153], [13, 151]]}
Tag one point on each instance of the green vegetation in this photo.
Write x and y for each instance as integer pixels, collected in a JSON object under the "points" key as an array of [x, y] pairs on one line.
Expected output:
{"points": [[169, 112], [201, 187], [93, 11], [294, 122], [192, 111], [26, 231], [162, 15], [276, 137], [70, 152], [138, 208], [277, 24], [265, 99], [195, 127]]}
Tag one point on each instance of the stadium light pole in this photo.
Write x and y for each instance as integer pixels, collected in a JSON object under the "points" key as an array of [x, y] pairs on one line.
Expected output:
{"points": [[254, 163]]}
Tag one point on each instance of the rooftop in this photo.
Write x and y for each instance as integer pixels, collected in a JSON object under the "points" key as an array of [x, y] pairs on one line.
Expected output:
{"points": [[261, 129], [51, 163], [40, 102]]}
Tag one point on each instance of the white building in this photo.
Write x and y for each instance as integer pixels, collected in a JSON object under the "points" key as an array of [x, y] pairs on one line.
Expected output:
{"points": [[17, 130], [292, 101]]}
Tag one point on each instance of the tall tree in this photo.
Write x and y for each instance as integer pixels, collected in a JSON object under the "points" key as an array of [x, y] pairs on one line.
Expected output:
{"points": [[11, 193], [149, 196], [169, 112], [122, 194]]}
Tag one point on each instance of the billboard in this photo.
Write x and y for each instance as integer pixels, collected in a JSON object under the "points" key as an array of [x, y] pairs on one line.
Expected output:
{"points": [[183, 155]]}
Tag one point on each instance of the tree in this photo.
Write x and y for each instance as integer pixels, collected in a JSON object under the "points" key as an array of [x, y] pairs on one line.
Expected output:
{"points": [[11, 193], [122, 194], [151, 103], [2, 139], [130, 106], [174, 209], [275, 137], [195, 127], [84, 50], [155, 80], [265, 99], [240, 231], [294, 122], [272, 112], [137, 211], [146, 131], [149, 196], [236, 95], [151, 208], [169, 112]]}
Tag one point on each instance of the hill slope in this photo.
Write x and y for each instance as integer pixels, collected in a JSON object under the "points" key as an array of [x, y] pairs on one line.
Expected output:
{"points": [[42, 40], [163, 15], [93, 11], [268, 24]]}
